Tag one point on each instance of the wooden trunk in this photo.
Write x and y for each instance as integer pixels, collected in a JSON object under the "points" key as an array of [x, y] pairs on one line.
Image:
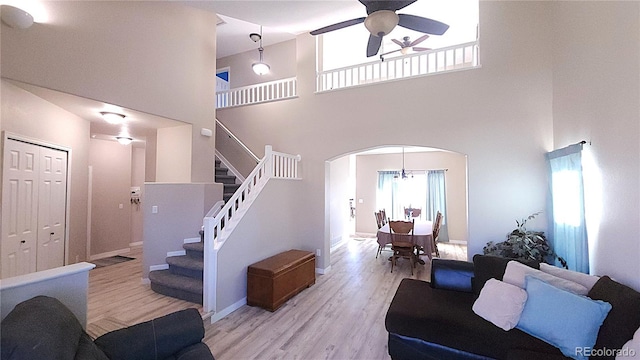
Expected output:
{"points": [[273, 281]]}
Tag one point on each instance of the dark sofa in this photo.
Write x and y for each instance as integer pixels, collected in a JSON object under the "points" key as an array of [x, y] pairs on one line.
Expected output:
{"points": [[436, 321], [43, 328]]}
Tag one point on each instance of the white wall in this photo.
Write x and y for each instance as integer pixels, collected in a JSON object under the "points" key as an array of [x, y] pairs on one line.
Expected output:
{"points": [[28, 115], [137, 179], [339, 195], [456, 186], [181, 208], [173, 154], [499, 115], [281, 58], [155, 57], [271, 225], [596, 93], [110, 206]]}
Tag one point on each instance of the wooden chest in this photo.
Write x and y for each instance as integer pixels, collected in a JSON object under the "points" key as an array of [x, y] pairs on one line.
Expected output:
{"points": [[273, 281]]}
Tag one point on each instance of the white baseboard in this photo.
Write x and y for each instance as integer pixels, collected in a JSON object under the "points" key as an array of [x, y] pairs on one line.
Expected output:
{"points": [[192, 240], [109, 254], [323, 271], [137, 243], [457, 242], [159, 267], [176, 253], [228, 310], [145, 281]]}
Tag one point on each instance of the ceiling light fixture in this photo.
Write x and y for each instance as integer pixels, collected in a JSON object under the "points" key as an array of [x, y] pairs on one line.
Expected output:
{"points": [[124, 140], [15, 17], [112, 118], [381, 22], [259, 67], [403, 174]]}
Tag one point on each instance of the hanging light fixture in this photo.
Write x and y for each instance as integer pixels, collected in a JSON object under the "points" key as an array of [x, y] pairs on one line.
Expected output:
{"points": [[259, 67], [403, 174]]}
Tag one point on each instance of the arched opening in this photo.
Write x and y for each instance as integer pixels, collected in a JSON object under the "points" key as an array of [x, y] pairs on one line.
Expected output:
{"points": [[362, 182]]}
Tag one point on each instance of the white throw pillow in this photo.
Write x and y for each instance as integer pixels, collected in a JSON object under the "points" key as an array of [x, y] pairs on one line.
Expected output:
{"points": [[631, 350], [515, 273], [585, 280], [500, 303]]}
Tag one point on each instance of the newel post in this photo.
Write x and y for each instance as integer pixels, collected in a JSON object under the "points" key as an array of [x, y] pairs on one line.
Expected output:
{"points": [[268, 155]]}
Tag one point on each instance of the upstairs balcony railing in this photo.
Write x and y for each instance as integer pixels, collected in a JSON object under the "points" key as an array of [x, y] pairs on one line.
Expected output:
{"points": [[259, 93], [429, 62]]}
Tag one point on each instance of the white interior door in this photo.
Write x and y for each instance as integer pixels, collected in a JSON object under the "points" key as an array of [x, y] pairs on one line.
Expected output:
{"points": [[52, 190], [34, 197], [19, 208]]}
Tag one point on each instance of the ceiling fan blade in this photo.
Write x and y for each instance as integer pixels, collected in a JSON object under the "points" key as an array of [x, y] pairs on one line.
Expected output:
{"points": [[420, 49], [422, 24], [400, 43], [337, 26], [375, 5], [419, 40], [374, 45]]}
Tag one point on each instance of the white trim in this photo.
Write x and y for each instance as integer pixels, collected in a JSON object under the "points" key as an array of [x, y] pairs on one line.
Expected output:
{"points": [[89, 205], [109, 254], [239, 178], [228, 310], [176, 253], [323, 271], [145, 281], [192, 240], [457, 242], [158, 267], [137, 243]]}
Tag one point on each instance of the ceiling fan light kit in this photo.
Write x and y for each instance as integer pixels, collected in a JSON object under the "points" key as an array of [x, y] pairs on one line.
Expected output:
{"points": [[381, 22]]}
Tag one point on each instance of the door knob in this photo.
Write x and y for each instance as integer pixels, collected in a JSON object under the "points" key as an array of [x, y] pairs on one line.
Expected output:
{"points": [[23, 241]]}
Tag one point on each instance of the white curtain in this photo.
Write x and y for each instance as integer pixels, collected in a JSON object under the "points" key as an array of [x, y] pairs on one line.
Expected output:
{"points": [[569, 233], [437, 200], [395, 193]]}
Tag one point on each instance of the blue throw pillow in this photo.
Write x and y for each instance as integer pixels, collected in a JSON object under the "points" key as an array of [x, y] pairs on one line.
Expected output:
{"points": [[567, 321]]}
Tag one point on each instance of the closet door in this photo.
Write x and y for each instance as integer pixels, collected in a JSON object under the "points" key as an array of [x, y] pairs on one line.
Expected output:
{"points": [[19, 208], [34, 199], [52, 198]]}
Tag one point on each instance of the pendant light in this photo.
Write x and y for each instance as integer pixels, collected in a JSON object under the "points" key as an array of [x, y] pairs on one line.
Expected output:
{"points": [[403, 174], [260, 67]]}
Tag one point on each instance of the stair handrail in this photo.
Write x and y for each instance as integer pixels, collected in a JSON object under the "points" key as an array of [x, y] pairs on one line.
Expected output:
{"points": [[274, 165], [235, 138]]}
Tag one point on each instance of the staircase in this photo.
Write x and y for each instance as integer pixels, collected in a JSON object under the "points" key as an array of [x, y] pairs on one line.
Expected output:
{"points": [[229, 181], [183, 279]]}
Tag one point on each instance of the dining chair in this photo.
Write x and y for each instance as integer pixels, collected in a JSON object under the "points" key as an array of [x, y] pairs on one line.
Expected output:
{"points": [[416, 212], [436, 231], [402, 242], [381, 221]]}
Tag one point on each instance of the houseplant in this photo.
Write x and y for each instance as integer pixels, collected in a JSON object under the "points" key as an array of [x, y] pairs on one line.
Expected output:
{"points": [[524, 244]]}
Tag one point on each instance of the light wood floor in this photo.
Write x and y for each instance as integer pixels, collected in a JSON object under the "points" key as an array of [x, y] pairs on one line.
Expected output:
{"points": [[340, 317]]}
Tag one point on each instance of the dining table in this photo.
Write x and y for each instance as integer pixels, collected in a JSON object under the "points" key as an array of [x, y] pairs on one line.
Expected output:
{"points": [[422, 236]]}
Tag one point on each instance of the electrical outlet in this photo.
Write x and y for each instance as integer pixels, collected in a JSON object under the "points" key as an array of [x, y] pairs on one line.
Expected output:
{"points": [[318, 252], [154, 209]]}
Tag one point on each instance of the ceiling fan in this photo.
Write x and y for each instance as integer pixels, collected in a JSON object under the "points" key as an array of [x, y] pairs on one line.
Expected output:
{"points": [[406, 44], [382, 18]]}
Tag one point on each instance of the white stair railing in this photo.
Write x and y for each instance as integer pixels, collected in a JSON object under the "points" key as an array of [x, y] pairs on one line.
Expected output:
{"points": [[258, 93], [453, 58], [217, 228]]}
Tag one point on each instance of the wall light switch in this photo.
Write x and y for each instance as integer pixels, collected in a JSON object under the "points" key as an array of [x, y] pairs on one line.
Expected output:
{"points": [[154, 209], [360, 201]]}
